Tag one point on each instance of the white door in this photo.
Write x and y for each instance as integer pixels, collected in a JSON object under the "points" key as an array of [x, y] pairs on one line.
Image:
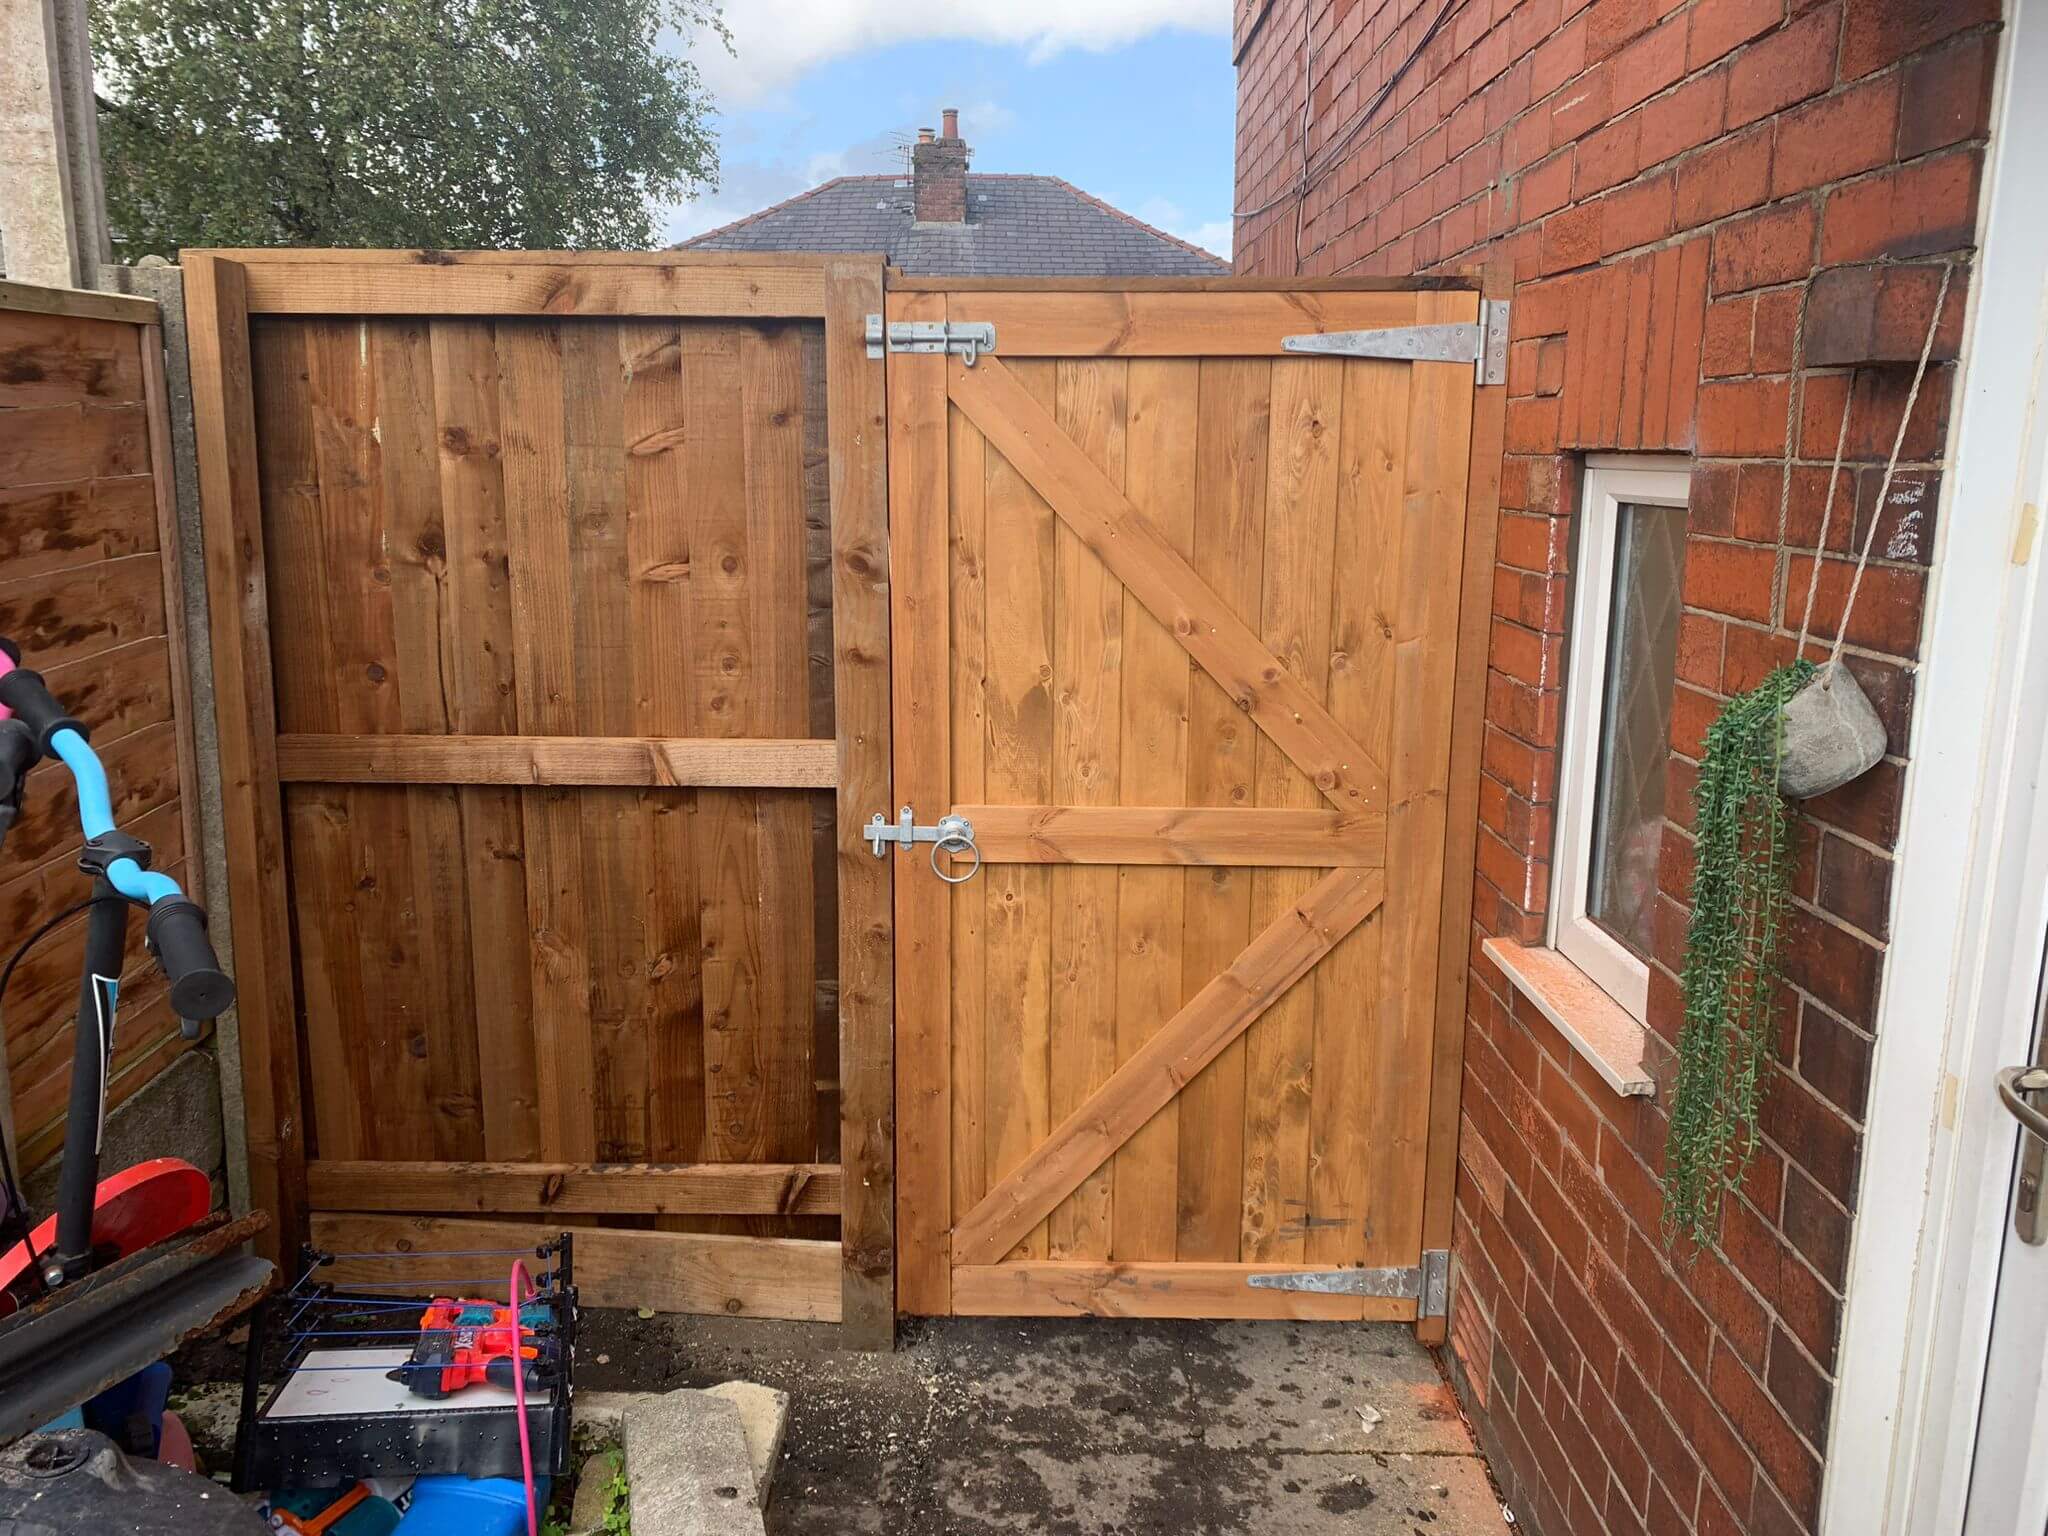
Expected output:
{"points": [[2009, 1473]]}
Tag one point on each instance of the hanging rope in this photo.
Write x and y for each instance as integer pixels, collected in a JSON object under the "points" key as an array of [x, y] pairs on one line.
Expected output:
{"points": [[1884, 488]]}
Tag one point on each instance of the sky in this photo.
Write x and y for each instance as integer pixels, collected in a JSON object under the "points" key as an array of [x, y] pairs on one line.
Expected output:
{"points": [[1130, 100]]}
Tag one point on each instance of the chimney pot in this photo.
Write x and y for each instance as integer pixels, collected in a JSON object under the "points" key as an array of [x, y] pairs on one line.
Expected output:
{"points": [[951, 118], [924, 135]]}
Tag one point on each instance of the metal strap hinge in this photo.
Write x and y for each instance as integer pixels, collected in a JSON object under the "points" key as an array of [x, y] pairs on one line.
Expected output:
{"points": [[1483, 343], [1426, 1284], [967, 339]]}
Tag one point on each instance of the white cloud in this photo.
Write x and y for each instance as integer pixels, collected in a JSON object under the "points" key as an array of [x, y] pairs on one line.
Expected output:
{"points": [[1213, 235], [776, 41]]}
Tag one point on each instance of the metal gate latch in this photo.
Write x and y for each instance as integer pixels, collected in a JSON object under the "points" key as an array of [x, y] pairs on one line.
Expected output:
{"points": [[968, 339], [1426, 1284], [950, 834], [1482, 343]]}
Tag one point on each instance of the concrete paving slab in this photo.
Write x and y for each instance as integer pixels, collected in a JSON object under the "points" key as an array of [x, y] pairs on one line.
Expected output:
{"points": [[764, 1417], [687, 1468]]}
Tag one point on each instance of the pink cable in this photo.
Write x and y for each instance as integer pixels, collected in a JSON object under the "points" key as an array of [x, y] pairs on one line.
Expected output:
{"points": [[6, 666], [520, 1289]]}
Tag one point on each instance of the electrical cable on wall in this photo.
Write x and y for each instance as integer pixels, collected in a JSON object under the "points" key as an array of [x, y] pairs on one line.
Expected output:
{"points": [[1309, 177]]}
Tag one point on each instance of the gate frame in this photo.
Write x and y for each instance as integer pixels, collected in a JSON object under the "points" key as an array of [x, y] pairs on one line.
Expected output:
{"points": [[1491, 280], [223, 289]]}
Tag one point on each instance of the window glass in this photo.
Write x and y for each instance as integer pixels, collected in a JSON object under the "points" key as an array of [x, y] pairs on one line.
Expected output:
{"points": [[1635, 724]]}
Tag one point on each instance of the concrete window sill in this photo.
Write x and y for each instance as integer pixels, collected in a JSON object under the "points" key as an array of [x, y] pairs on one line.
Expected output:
{"points": [[1613, 1043]]}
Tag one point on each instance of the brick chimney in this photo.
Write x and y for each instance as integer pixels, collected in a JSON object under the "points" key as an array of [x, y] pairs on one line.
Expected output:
{"points": [[938, 173]]}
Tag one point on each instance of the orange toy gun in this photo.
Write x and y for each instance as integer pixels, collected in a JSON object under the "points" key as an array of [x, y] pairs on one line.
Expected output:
{"points": [[463, 1343]]}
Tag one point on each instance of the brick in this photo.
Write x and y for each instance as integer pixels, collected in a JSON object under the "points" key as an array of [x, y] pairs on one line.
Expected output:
{"points": [[1637, 215], [1685, 118], [1720, 26], [1788, 66], [1946, 96], [1579, 106], [1913, 210], [1672, 1461], [1835, 137], [1801, 1391], [1905, 528], [1610, 23], [1742, 418], [1724, 345], [1724, 178], [1774, 246], [1571, 238], [1834, 1059], [1544, 188], [1856, 885], [1880, 32], [1828, 1146], [1788, 1463], [1647, 65], [1888, 607], [1816, 1227], [1867, 806], [1777, 319], [1721, 1451], [1880, 314], [1605, 158], [1611, 1433], [1558, 58]]}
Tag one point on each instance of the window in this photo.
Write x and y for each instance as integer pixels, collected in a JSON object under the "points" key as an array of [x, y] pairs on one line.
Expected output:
{"points": [[1617, 721]]}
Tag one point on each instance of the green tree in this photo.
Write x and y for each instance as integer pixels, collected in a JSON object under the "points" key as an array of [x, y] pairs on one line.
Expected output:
{"points": [[491, 124]]}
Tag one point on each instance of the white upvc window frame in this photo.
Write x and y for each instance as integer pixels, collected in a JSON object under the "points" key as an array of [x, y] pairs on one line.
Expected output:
{"points": [[1609, 481]]}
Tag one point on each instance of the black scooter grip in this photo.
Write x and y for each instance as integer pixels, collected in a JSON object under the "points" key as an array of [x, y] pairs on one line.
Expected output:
{"points": [[200, 989], [36, 707]]}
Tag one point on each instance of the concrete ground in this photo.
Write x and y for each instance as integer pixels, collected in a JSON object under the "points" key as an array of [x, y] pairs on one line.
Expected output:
{"points": [[1077, 1428]]}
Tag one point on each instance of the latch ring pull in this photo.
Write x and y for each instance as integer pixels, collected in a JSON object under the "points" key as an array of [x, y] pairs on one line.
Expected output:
{"points": [[955, 837]]}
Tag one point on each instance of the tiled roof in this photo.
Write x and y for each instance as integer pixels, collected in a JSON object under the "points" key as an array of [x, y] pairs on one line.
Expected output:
{"points": [[1017, 226]]}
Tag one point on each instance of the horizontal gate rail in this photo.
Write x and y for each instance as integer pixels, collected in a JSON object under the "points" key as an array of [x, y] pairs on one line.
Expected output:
{"points": [[619, 1189], [1173, 834], [674, 761]]}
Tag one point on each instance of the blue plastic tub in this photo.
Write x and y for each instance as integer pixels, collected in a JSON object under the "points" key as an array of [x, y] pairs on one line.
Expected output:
{"points": [[466, 1506]]}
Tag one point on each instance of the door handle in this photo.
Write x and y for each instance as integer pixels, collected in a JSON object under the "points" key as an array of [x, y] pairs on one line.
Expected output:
{"points": [[2014, 1084]]}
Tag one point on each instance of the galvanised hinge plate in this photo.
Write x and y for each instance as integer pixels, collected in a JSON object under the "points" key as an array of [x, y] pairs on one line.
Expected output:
{"points": [[967, 339], [1483, 343], [1426, 1284]]}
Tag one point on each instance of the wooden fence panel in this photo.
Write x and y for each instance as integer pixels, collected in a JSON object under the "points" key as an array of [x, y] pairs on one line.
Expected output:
{"points": [[90, 590], [564, 604]]}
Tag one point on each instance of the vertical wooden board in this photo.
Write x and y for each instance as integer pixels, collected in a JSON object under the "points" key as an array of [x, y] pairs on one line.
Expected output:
{"points": [[1301, 495], [784, 1106], [435, 915], [483, 699], [1019, 601], [1089, 403], [658, 553], [725, 837], [1425, 677], [216, 298], [1232, 431], [396, 1077], [1461, 827], [532, 443], [856, 428], [1358, 1048], [818, 686], [613, 825], [967, 495], [315, 817], [1159, 478], [921, 700]]}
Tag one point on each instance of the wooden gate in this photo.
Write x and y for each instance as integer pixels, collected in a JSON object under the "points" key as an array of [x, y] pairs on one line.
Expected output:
{"points": [[550, 631], [1177, 629]]}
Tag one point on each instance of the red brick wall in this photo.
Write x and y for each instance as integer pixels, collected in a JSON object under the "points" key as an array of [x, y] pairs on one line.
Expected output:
{"points": [[1673, 182]]}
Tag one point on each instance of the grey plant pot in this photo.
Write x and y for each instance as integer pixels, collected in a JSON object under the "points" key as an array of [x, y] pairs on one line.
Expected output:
{"points": [[1832, 734]]}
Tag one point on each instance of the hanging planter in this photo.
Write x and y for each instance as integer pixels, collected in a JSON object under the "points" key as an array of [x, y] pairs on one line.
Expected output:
{"points": [[1742, 879], [1832, 734], [1802, 731]]}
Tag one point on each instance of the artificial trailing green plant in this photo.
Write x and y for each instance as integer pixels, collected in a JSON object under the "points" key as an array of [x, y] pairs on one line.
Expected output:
{"points": [[1741, 884]]}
